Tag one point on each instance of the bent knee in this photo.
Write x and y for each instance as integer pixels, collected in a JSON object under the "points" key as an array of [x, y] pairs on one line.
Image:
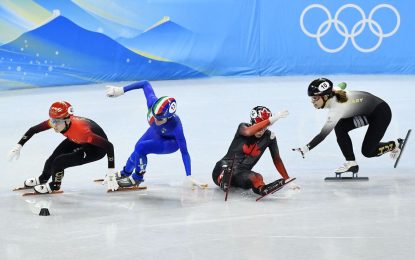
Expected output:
{"points": [[368, 152], [256, 179]]}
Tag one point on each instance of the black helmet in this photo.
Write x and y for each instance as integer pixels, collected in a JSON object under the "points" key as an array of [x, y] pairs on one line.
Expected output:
{"points": [[320, 87]]}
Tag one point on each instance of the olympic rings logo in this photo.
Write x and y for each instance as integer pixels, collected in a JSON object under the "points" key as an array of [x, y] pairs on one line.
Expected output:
{"points": [[357, 28]]}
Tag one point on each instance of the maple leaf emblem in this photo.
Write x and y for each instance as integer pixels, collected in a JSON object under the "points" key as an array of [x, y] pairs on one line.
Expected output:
{"points": [[262, 114], [251, 149]]}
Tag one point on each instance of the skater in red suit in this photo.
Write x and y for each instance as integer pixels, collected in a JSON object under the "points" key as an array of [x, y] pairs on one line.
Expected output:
{"points": [[85, 142], [249, 144]]}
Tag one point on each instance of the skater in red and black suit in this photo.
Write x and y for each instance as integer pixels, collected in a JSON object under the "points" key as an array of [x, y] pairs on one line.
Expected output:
{"points": [[85, 142], [247, 147]]}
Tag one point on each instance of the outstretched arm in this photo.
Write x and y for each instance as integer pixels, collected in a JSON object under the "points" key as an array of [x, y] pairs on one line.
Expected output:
{"points": [[325, 131], [113, 91], [45, 125], [253, 129], [15, 152]]}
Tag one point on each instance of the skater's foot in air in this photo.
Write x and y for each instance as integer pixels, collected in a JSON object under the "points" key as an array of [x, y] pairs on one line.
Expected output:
{"points": [[394, 154]]}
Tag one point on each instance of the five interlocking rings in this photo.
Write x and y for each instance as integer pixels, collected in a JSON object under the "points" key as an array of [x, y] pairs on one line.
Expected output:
{"points": [[357, 28]]}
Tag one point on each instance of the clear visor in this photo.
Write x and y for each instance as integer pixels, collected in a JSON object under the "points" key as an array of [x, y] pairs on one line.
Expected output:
{"points": [[315, 98], [55, 121]]}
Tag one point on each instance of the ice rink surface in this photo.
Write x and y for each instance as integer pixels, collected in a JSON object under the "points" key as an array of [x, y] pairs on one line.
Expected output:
{"points": [[169, 220]]}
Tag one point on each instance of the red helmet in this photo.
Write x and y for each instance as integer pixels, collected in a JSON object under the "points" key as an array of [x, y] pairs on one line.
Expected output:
{"points": [[259, 114], [60, 110]]}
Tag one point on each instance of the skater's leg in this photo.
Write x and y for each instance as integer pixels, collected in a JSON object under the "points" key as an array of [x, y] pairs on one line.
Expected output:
{"points": [[142, 149], [342, 129], [378, 123], [64, 147], [153, 146], [253, 180], [219, 171], [81, 155], [248, 180]]}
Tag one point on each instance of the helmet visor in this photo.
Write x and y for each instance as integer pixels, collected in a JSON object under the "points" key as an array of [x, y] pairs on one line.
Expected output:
{"points": [[56, 121], [315, 98]]}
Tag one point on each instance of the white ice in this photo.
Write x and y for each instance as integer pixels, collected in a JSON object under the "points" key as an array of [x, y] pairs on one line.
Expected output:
{"points": [[360, 220]]}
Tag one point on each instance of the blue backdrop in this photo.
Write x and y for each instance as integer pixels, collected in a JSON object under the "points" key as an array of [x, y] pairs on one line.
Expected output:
{"points": [[90, 41]]}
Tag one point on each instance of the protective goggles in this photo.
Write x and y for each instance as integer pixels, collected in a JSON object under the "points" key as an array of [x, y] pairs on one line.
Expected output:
{"points": [[58, 121], [315, 98]]}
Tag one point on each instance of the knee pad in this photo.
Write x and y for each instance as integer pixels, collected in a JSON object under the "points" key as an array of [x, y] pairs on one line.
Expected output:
{"points": [[256, 179]]}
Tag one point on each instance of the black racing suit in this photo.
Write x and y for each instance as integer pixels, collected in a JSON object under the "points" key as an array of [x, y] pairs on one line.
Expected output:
{"points": [[86, 142], [362, 108], [246, 151]]}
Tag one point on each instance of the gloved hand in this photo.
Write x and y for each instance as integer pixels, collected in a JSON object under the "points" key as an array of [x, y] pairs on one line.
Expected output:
{"points": [[302, 150], [111, 180], [15, 152], [113, 91], [278, 115], [194, 182]]}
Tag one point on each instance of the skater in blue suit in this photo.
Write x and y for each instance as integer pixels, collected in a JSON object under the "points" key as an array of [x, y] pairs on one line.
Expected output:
{"points": [[165, 135]]}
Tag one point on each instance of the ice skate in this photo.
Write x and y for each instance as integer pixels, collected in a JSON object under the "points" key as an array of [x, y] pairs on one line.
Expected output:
{"points": [[122, 174], [225, 178], [348, 166], [394, 154], [268, 188], [397, 152], [43, 188], [28, 184], [118, 176], [130, 181], [272, 187], [32, 182]]}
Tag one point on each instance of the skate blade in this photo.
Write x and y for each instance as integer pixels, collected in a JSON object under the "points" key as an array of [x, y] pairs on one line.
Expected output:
{"points": [[346, 179], [277, 189], [22, 188], [201, 186], [403, 147], [129, 189], [36, 193], [98, 180]]}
